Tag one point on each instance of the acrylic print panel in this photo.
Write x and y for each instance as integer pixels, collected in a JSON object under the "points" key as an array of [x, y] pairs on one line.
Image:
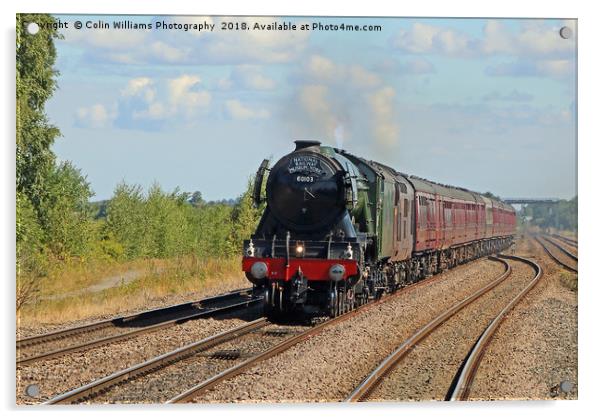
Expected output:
{"points": [[216, 209]]}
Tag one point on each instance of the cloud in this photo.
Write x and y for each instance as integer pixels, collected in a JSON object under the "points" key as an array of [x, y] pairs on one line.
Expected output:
{"points": [[513, 96], [547, 68], [104, 39], [363, 78], [139, 102], [95, 116], [533, 39], [237, 110], [186, 94], [166, 53], [536, 46], [191, 47], [417, 66], [247, 77], [555, 68], [386, 131], [427, 39], [139, 85], [319, 68], [148, 104], [412, 66]]}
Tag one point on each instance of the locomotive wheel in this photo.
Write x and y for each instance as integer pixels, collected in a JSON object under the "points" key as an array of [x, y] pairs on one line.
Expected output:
{"points": [[334, 304], [272, 294], [267, 306], [364, 297], [281, 299]]}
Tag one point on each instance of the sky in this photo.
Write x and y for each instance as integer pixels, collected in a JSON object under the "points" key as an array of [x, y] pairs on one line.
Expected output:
{"points": [[486, 104]]}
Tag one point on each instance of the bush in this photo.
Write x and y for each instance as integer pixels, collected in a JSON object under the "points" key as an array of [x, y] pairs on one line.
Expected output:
{"points": [[65, 215], [161, 224]]}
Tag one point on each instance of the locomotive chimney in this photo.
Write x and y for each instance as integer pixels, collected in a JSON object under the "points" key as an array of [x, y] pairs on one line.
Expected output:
{"points": [[302, 144]]}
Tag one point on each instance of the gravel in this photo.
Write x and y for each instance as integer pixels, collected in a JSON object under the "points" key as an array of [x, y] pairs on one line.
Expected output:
{"points": [[168, 382], [56, 376], [559, 254], [157, 302], [110, 330], [568, 246], [427, 372], [329, 366], [535, 349]]}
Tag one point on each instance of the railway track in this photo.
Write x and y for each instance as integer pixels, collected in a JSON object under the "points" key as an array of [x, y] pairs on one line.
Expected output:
{"points": [[545, 243], [460, 388], [193, 369], [62, 342], [568, 241], [563, 247]]}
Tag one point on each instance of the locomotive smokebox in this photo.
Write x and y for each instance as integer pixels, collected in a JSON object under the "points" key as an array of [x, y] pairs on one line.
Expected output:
{"points": [[305, 190]]}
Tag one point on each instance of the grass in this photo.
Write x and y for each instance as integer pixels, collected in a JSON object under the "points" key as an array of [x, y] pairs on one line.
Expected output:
{"points": [[76, 291], [569, 280]]}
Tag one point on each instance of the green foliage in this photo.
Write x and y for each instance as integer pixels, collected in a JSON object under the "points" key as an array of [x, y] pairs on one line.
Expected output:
{"points": [[492, 196], [30, 237], [196, 199], [56, 223], [161, 224], [561, 215], [36, 82], [64, 212], [51, 200], [245, 215], [125, 219]]}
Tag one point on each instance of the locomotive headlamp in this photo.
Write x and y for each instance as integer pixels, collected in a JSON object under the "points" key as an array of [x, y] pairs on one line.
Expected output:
{"points": [[299, 249], [250, 250], [336, 272], [259, 270]]}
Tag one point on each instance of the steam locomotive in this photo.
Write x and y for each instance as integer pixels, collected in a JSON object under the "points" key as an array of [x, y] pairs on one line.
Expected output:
{"points": [[339, 230]]}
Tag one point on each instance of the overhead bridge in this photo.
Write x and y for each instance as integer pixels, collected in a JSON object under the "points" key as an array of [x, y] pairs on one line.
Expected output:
{"points": [[531, 200]]}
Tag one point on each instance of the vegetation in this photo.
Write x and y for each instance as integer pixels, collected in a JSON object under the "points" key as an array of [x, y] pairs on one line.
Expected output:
{"points": [[74, 292], [154, 233], [64, 242], [560, 216], [569, 280]]}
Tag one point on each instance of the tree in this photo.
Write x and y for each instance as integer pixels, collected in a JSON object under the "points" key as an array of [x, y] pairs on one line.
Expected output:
{"points": [[560, 215], [196, 199], [125, 219], [65, 218], [245, 216], [36, 81]]}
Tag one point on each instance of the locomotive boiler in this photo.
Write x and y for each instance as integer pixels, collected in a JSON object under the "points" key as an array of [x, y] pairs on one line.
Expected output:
{"points": [[339, 230]]}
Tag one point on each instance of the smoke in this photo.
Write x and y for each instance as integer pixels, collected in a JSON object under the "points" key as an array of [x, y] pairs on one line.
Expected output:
{"points": [[339, 135], [347, 105], [385, 129]]}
